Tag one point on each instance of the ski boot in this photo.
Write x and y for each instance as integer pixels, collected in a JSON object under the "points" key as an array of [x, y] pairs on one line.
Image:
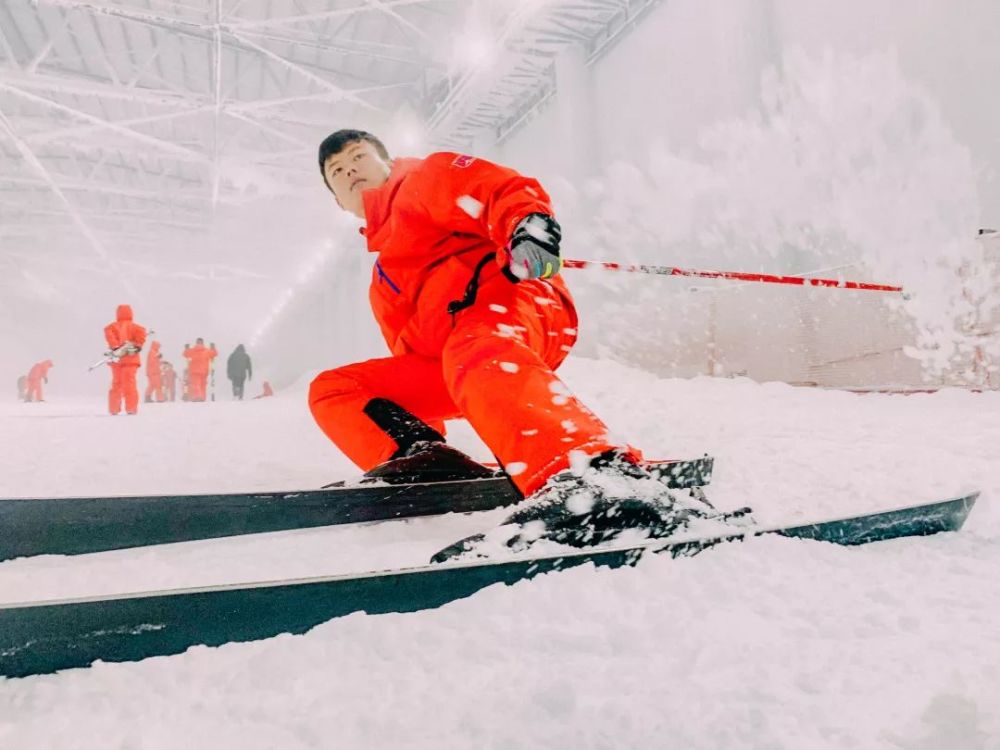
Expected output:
{"points": [[612, 495], [424, 461]]}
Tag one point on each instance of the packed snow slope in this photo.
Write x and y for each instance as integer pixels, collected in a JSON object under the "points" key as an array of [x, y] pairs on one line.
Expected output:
{"points": [[774, 643]]}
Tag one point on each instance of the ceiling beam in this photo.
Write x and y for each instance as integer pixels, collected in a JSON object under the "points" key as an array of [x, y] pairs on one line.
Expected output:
{"points": [[96, 245], [127, 132], [302, 71], [81, 84], [334, 13], [204, 33]]}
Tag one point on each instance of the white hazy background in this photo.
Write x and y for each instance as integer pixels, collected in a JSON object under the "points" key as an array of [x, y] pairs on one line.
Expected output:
{"points": [[778, 136]]}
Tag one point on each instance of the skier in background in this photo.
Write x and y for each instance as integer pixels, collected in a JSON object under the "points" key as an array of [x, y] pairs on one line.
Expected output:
{"points": [[168, 376], [265, 391], [239, 369], [466, 292], [186, 376], [38, 373], [154, 382], [199, 359], [128, 337]]}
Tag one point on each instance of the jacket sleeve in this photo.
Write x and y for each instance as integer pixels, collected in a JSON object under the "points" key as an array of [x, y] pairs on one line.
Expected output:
{"points": [[138, 335], [112, 337], [475, 196]]}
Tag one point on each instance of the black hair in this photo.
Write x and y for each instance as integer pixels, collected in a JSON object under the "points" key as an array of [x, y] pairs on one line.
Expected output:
{"points": [[337, 142]]}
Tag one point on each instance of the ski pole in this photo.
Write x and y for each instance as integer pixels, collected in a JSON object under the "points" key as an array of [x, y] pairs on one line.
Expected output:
{"points": [[113, 355], [766, 278], [98, 363]]}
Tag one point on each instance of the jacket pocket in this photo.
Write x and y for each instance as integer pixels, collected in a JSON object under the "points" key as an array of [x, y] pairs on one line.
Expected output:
{"points": [[392, 308]]}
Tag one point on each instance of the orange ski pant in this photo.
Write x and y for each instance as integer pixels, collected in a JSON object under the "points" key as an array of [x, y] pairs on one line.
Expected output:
{"points": [[123, 387], [197, 386], [495, 370], [34, 392], [154, 388]]}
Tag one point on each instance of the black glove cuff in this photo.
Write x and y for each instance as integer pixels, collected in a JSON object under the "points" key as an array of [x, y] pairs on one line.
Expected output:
{"points": [[505, 270]]}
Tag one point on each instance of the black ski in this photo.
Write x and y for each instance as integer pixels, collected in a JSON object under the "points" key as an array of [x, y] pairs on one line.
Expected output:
{"points": [[78, 525], [44, 637]]}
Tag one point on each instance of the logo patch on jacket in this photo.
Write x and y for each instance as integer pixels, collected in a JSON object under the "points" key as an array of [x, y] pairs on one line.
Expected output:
{"points": [[463, 161]]}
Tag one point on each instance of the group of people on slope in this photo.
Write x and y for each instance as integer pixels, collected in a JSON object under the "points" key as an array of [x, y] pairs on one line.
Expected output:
{"points": [[126, 338]]}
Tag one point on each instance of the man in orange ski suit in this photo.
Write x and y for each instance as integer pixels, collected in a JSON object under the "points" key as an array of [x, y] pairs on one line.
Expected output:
{"points": [[124, 332], [154, 383], [199, 359], [472, 333], [39, 372]]}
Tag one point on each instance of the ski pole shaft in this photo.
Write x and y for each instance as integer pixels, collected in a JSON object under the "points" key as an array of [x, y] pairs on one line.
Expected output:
{"points": [[765, 278], [112, 355]]}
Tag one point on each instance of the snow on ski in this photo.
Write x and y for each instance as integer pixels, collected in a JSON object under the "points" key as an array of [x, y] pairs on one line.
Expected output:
{"points": [[73, 526], [44, 637]]}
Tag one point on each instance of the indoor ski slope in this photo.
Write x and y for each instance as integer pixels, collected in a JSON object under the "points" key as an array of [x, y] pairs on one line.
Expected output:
{"points": [[775, 643]]}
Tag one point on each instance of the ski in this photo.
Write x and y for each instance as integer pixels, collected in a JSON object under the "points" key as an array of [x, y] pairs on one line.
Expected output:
{"points": [[44, 637], [79, 525]]}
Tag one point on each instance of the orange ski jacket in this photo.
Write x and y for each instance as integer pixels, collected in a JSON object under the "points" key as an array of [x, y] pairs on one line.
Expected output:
{"points": [[432, 223], [125, 329], [200, 358], [39, 371], [153, 360]]}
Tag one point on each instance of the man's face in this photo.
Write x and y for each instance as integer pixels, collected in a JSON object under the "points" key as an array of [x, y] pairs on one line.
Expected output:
{"points": [[355, 169]]}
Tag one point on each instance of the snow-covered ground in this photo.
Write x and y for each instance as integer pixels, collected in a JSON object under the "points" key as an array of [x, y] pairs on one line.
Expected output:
{"points": [[775, 643]]}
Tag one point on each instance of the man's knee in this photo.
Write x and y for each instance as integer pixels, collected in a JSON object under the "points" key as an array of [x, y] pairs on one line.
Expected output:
{"points": [[334, 384]]}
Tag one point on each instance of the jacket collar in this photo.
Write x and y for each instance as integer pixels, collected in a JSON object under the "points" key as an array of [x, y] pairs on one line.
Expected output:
{"points": [[378, 201]]}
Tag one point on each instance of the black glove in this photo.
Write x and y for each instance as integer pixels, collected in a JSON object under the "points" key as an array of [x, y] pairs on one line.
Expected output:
{"points": [[533, 250]]}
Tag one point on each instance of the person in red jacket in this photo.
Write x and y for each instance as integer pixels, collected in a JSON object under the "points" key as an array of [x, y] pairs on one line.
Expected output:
{"points": [[466, 293], [266, 391], [169, 377], [154, 381], [125, 338], [199, 359], [38, 373]]}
